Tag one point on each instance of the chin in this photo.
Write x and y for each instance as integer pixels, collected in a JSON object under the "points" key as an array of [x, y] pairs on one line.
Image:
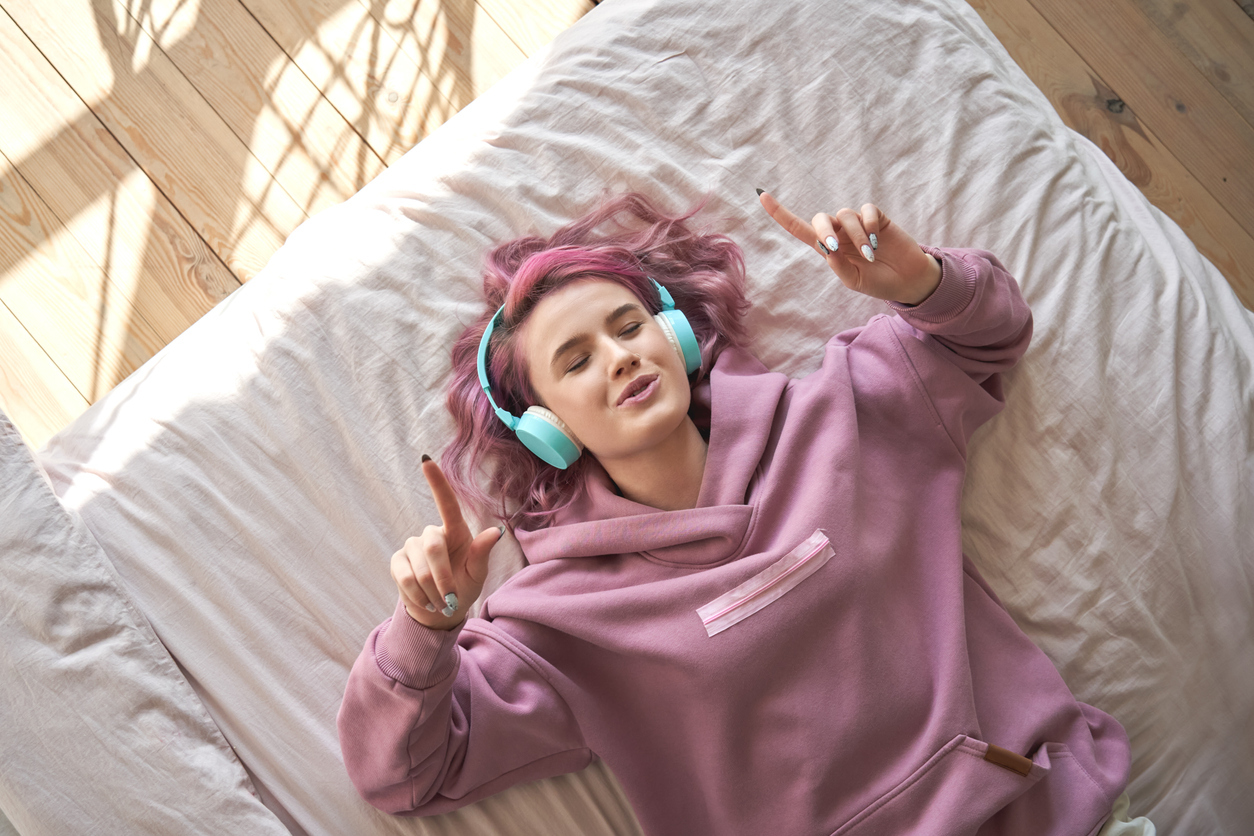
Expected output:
{"points": [[652, 436]]}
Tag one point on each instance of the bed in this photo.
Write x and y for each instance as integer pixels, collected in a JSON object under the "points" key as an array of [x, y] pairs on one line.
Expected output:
{"points": [[189, 569]]}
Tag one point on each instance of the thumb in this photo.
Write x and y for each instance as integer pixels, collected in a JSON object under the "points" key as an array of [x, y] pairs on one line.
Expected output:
{"points": [[480, 548]]}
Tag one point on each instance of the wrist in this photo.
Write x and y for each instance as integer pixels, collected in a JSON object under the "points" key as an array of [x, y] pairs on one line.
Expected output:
{"points": [[926, 285], [435, 621], [413, 654]]}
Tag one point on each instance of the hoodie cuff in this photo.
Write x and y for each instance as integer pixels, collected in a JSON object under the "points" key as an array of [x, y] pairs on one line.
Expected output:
{"points": [[955, 291], [412, 654]]}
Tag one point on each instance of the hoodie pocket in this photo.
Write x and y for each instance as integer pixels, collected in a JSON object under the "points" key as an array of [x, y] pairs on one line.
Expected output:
{"points": [[960, 787], [766, 586]]}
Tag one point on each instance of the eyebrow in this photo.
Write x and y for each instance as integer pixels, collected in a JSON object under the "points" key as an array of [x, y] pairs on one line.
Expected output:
{"points": [[578, 338]]}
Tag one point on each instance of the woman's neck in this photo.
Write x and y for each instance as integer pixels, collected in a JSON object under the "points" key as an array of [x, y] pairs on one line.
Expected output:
{"points": [[668, 476]]}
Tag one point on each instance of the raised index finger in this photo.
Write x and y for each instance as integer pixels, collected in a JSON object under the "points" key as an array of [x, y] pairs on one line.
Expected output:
{"points": [[445, 502], [795, 227]]}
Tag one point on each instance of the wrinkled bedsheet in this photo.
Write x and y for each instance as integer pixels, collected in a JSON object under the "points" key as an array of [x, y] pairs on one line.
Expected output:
{"points": [[249, 484]]}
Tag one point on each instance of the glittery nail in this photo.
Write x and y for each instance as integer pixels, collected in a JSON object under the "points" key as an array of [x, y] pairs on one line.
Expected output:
{"points": [[430, 607], [875, 241], [824, 250], [447, 612], [867, 254], [451, 601], [832, 243]]}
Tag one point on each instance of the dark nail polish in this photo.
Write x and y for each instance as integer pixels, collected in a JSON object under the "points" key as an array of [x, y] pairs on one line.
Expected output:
{"points": [[760, 192], [425, 458]]}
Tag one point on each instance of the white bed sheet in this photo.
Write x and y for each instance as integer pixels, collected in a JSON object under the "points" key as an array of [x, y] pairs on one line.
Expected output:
{"points": [[250, 483]]}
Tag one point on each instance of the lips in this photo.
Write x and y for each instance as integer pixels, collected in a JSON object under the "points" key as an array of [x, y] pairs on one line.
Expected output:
{"points": [[636, 387]]}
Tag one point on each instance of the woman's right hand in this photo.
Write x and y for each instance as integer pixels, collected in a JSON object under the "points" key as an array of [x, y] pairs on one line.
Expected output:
{"points": [[444, 561]]}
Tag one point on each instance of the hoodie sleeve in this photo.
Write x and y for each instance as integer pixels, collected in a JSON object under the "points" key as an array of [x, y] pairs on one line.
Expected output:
{"points": [[952, 348], [433, 720]]}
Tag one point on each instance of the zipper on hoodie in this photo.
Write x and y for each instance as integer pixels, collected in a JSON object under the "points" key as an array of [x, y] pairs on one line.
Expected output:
{"points": [[766, 586]]}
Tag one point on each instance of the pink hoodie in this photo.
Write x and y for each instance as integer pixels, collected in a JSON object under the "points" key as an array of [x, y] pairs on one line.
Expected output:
{"points": [[807, 651]]}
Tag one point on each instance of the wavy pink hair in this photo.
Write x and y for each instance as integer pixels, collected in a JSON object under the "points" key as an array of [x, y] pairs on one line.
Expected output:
{"points": [[703, 272]]}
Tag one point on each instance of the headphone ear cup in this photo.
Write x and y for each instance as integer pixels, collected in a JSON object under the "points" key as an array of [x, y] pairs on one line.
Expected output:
{"points": [[675, 325], [546, 435]]}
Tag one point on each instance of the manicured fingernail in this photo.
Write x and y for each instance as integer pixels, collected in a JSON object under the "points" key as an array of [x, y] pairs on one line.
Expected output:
{"points": [[430, 607], [824, 250], [875, 241], [760, 192], [832, 243], [867, 254], [502, 530], [447, 612], [426, 458], [451, 601]]}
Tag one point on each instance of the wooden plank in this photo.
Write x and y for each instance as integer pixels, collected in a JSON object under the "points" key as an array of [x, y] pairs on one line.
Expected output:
{"points": [[33, 392], [295, 133], [165, 126], [379, 89], [1217, 38], [1134, 57], [532, 25], [455, 43], [94, 189], [1087, 104], [63, 298]]}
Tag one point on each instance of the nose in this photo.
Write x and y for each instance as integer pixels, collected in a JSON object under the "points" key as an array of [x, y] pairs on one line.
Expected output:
{"points": [[622, 360]]}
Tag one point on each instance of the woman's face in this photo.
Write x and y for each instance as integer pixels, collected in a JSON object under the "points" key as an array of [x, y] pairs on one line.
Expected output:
{"points": [[599, 361]]}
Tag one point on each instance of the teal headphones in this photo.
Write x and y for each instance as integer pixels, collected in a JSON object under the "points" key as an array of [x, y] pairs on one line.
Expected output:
{"points": [[542, 432]]}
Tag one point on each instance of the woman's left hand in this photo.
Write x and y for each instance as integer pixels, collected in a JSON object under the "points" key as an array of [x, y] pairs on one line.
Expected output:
{"points": [[889, 265]]}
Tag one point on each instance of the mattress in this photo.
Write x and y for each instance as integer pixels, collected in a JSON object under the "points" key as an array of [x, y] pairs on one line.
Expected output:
{"points": [[209, 544]]}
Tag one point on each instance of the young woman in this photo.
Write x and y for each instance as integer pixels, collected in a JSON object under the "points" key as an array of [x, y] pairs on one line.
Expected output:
{"points": [[745, 592]]}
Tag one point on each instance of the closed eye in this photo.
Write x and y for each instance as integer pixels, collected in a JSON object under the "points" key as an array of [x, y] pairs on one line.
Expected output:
{"points": [[631, 330]]}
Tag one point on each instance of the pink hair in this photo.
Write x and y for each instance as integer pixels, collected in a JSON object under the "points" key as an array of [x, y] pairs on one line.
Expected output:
{"points": [[703, 272]]}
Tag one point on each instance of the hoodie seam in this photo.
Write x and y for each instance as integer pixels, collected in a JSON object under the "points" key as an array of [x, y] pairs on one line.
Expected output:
{"points": [[749, 529], [512, 645], [532, 660], [918, 382]]}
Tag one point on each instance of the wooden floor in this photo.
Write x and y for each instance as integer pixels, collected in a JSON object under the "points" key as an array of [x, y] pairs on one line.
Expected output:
{"points": [[156, 152]]}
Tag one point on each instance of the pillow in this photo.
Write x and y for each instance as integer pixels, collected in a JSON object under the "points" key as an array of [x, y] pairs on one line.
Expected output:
{"points": [[89, 695]]}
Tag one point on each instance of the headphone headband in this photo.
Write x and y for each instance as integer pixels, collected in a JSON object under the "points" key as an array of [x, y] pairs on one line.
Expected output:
{"points": [[503, 414]]}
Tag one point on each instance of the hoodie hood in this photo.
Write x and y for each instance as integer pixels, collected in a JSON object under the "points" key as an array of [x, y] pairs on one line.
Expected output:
{"points": [[741, 398]]}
